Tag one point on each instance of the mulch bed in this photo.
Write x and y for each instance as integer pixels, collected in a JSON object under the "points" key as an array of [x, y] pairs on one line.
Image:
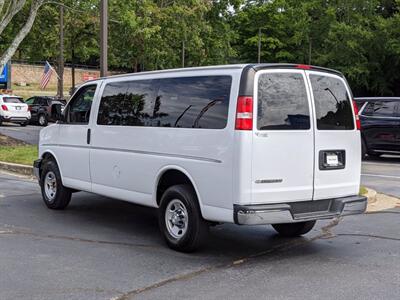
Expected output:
{"points": [[10, 142]]}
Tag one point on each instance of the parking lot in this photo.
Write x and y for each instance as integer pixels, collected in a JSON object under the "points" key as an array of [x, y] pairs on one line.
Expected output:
{"points": [[101, 248]]}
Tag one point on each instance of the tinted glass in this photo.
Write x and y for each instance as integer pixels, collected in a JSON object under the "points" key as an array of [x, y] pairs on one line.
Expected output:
{"points": [[380, 109], [129, 103], [191, 102], [30, 101], [12, 100], [332, 103], [80, 105], [282, 102]]}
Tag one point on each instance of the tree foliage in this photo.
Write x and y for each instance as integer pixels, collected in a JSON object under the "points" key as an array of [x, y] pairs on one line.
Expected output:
{"points": [[361, 38]]}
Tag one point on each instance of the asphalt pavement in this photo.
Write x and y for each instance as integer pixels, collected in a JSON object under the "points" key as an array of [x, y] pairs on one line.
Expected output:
{"points": [[28, 134], [101, 248], [382, 174]]}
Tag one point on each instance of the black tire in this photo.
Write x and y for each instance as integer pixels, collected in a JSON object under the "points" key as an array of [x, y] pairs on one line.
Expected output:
{"points": [[294, 229], [196, 228], [363, 150], [62, 195], [42, 120], [23, 124]]}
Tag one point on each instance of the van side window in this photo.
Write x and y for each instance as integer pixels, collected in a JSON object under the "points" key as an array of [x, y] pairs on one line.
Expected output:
{"points": [[332, 103], [78, 111], [193, 102], [188, 102], [128, 103], [282, 102], [380, 109]]}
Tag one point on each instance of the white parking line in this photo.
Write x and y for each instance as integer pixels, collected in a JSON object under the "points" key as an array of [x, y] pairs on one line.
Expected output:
{"points": [[382, 176]]}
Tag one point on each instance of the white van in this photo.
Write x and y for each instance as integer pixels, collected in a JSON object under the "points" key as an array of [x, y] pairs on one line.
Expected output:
{"points": [[246, 144]]}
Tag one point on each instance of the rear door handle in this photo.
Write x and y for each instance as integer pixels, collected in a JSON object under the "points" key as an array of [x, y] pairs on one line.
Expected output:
{"points": [[88, 136]]}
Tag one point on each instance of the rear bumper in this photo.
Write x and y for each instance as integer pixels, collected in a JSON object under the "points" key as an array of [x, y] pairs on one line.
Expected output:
{"points": [[15, 119], [299, 211]]}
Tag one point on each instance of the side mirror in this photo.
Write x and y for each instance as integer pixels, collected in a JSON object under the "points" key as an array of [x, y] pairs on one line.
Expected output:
{"points": [[56, 112]]}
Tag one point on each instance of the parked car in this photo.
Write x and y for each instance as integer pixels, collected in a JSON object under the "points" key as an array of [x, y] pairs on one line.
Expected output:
{"points": [[42, 108], [246, 144], [14, 110], [380, 123]]}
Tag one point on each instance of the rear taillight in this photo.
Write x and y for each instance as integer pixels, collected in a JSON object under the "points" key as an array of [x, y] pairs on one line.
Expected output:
{"points": [[303, 67], [244, 113], [358, 122], [4, 107]]}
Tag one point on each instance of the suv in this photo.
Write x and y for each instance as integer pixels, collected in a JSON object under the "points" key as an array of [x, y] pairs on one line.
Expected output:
{"points": [[380, 123], [246, 144], [42, 108], [14, 110]]}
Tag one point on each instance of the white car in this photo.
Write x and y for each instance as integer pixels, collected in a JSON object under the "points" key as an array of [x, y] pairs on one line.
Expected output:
{"points": [[14, 109], [246, 144]]}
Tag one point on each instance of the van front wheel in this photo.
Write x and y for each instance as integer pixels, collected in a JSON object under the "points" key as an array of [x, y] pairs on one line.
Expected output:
{"points": [[294, 229], [180, 219], [55, 195]]}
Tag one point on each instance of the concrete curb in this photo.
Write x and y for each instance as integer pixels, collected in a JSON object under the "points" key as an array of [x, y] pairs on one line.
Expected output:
{"points": [[16, 168]]}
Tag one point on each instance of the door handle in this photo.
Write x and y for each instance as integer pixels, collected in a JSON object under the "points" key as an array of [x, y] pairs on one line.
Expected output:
{"points": [[88, 136]]}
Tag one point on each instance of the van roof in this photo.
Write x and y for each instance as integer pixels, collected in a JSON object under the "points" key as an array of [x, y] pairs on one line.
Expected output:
{"points": [[254, 67]]}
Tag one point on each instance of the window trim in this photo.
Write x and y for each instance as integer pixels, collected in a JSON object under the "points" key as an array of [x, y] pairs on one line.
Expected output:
{"points": [[68, 105], [158, 84], [255, 100], [351, 97]]}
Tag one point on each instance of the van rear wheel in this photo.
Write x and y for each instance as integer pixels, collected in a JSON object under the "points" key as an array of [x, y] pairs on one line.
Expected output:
{"points": [[180, 219], [294, 229]]}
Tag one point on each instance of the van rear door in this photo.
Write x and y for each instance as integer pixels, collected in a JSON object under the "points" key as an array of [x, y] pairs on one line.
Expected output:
{"points": [[337, 140], [283, 138]]}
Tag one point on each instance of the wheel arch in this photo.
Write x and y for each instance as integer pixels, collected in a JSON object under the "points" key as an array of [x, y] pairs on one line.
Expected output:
{"points": [[171, 175], [48, 154]]}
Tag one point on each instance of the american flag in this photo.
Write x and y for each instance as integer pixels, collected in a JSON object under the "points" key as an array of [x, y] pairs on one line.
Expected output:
{"points": [[48, 71]]}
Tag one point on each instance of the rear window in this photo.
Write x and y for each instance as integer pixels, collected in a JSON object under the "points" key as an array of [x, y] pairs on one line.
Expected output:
{"points": [[332, 103], [12, 100], [188, 102], [282, 102], [380, 109]]}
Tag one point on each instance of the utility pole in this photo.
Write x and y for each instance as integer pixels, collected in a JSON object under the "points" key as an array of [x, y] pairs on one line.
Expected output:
{"points": [[309, 50], [60, 85], [183, 53], [259, 45], [103, 38]]}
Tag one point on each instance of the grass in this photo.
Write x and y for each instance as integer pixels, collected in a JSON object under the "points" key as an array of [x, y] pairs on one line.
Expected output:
{"points": [[34, 90], [363, 190], [24, 155]]}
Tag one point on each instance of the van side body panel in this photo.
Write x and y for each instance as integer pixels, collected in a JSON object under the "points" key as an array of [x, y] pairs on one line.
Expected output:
{"points": [[131, 158]]}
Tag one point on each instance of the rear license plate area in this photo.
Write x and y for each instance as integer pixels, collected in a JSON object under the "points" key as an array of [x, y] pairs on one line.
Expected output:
{"points": [[332, 159]]}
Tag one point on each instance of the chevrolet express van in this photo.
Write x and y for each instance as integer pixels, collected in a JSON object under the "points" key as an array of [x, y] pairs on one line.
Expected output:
{"points": [[246, 144]]}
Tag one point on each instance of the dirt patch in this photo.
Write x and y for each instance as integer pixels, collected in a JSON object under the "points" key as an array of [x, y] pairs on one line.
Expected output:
{"points": [[382, 202], [10, 142]]}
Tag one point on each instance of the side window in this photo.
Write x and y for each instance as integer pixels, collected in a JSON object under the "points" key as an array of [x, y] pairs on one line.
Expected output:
{"points": [[128, 103], [381, 109], [282, 102], [36, 101], [193, 102], [78, 111], [43, 102], [29, 101], [332, 103]]}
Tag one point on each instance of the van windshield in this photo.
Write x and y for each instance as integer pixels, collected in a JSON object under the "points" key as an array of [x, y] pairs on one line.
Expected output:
{"points": [[332, 103]]}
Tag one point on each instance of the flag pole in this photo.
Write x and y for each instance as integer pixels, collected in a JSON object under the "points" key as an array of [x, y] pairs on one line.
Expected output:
{"points": [[53, 69]]}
